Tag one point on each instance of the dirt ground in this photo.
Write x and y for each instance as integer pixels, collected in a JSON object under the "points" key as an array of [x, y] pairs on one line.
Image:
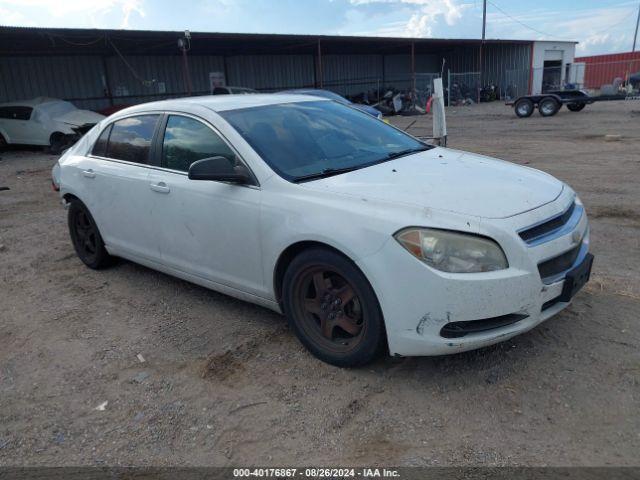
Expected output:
{"points": [[226, 383]]}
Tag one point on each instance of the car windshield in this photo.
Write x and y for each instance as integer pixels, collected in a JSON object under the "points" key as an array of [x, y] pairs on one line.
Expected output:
{"points": [[56, 109], [308, 140]]}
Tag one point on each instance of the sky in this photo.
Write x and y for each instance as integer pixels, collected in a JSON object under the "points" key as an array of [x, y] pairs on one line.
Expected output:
{"points": [[601, 26]]}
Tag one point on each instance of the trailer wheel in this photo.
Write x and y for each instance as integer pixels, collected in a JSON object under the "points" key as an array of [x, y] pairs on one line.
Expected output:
{"points": [[576, 107], [524, 108], [548, 107]]}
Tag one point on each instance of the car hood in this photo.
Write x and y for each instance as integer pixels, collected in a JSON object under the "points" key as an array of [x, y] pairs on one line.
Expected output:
{"points": [[80, 117], [449, 180]]}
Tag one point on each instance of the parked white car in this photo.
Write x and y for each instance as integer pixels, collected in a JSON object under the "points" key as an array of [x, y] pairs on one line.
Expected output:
{"points": [[364, 237], [45, 122]]}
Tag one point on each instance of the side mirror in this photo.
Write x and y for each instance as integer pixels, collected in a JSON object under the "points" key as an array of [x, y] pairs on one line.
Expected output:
{"points": [[218, 169]]}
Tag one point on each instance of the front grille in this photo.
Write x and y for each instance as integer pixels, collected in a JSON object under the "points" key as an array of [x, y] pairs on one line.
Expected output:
{"points": [[547, 227], [460, 329], [559, 264]]}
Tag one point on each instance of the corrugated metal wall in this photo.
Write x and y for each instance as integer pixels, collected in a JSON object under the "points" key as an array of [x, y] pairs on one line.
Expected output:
{"points": [[84, 78], [604, 69], [270, 72], [58, 77], [503, 65]]}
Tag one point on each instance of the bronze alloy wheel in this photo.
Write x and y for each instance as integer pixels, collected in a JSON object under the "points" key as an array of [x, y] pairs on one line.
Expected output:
{"points": [[329, 309], [332, 308]]}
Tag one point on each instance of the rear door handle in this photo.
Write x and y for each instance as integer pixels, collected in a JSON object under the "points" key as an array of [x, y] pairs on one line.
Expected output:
{"points": [[160, 187], [89, 173]]}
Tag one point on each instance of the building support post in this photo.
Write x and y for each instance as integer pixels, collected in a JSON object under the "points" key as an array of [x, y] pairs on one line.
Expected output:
{"points": [[320, 74], [107, 83], [413, 67], [484, 27], [187, 75]]}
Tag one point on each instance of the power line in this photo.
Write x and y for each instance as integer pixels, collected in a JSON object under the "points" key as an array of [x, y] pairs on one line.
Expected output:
{"points": [[525, 25], [624, 19]]}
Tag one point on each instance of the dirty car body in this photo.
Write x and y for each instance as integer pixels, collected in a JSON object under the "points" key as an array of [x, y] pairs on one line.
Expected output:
{"points": [[461, 250], [44, 121]]}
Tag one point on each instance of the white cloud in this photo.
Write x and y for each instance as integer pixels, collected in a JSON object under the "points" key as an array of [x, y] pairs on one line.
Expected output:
{"points": [[13, 12], [428, 14]]}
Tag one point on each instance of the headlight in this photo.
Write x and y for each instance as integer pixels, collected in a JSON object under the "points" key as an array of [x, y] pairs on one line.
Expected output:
{"points": [[452, 251], [578, 201]]}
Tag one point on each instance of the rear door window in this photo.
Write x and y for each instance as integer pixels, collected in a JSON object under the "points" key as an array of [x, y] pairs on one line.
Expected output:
{"points": [[187, 140], [16, 113], [131, 138]]}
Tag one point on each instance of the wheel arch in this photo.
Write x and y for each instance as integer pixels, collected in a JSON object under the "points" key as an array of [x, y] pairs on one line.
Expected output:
{"points": [[4, 135], [288, 254], [54, 135]]}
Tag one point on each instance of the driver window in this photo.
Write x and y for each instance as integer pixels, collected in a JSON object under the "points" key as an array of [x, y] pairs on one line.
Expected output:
{"points": [[187, 140]]}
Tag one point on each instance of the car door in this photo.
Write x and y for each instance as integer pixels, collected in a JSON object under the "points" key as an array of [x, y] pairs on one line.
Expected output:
{"points": [[16, 124], [117, 172], [205, 228]]}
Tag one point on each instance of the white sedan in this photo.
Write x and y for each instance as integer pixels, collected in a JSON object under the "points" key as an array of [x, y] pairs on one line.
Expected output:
{"points": [[367, 239], [44, 121]]}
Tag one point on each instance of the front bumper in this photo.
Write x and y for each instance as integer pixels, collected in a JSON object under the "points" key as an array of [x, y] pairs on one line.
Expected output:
{"points": [[417, 301]]}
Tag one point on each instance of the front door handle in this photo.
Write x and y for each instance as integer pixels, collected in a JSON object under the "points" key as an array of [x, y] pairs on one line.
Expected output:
{"points": [[160, 187], [89, 173]]}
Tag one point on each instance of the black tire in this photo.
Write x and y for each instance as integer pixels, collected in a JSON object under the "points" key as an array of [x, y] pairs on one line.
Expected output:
{"points": [[524, 108], [332, 308], [57, 143], [576, 107], [86, 237], [3, 143], [548, 107]]}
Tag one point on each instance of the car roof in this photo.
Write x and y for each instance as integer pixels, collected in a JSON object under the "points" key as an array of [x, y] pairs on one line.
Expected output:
{"points": [[220, 103], [32, 102]]}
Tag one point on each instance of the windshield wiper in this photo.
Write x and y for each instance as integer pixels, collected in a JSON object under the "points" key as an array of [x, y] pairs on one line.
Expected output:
{"points": [[327, 172], [408, 151]]}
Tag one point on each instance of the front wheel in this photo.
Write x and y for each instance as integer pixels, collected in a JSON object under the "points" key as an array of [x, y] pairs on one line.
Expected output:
{"points": [[524, 108], [332, 308], [86, 238]]}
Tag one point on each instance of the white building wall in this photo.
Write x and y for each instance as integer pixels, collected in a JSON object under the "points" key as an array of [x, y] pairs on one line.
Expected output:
{"points": [[546, 50]]}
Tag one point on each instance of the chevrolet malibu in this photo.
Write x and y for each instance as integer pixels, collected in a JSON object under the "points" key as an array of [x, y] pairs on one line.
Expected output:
{"points": [[367, 239]]}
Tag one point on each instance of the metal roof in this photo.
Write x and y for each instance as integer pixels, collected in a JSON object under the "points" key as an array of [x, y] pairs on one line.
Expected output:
{"points": [[52, 41]]}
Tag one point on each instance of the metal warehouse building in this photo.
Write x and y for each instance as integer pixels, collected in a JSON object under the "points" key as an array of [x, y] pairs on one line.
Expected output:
{"points": [[98, 68]]}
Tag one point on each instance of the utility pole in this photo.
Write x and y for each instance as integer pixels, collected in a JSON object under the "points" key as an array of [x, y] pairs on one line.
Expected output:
{"points": [[184, 44], [484, 29], [635, 35]]}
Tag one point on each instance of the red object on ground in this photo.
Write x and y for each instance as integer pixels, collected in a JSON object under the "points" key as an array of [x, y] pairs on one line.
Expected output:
{"points": [[603, 69], [428, 106]]}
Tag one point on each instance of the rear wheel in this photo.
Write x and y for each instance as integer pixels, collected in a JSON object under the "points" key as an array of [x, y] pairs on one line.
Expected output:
{"points": [[3, 143], [576, 107], [332, 308], [86, 238], [548, 107], [524, 108]]}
